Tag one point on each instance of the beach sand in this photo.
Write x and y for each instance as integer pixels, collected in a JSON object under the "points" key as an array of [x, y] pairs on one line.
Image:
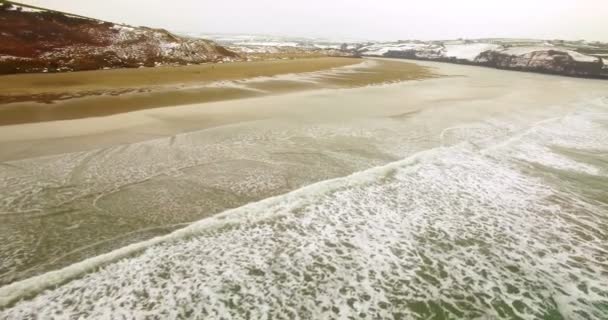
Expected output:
{"points": [[51, 97]]}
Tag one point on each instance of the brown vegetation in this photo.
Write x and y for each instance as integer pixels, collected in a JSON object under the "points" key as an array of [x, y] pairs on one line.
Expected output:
{"points": [[51, 41]]}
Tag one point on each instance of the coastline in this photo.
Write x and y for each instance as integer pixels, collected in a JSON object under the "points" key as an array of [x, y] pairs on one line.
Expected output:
{"points": [[267, 147]]}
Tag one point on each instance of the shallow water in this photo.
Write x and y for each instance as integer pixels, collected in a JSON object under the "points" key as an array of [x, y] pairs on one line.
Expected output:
{"points": [[490, 201]]}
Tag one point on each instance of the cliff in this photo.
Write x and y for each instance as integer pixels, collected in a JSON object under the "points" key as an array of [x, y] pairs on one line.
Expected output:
{"points": [[542, 56]]}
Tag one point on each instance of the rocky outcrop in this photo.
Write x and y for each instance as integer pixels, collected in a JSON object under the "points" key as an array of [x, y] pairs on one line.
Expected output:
{"points": [[545, 61], [543, 58], [39, 40]]}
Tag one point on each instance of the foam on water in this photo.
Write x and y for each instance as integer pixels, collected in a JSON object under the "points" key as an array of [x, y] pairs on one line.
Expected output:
{"points": [[483, 230], [85, 203]]}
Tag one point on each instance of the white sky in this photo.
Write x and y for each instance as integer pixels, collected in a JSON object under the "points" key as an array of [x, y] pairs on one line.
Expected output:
{"points": [[371, 19]]}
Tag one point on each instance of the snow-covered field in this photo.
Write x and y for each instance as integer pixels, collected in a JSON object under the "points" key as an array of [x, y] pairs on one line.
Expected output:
{"points": [[556, 57], [383, 48], [520, 51], [465, 51], [469, 51], [273, 44]]}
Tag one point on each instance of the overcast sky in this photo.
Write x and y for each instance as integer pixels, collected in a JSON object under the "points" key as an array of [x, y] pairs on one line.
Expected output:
{"points": [[371, 19]]}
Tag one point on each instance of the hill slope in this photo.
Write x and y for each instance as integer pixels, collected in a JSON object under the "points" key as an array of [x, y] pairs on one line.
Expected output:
{"points": [[39, 40], [544, 56]]}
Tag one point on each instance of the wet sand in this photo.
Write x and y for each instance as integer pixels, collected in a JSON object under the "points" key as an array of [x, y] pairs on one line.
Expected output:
{"points": [[105, 121], [51, 97], [34, 84]]}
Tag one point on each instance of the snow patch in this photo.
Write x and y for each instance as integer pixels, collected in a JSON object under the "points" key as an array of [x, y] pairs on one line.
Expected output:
{"points": [[119, 27], [582, 57], [268, 44], [519, 51], [322, 46], [383, 48], [4, 57], [169, 47], [24, 9], [469, 51]]}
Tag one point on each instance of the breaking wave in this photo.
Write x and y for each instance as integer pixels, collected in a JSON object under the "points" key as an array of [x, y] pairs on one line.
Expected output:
{"points": [[510, 229]]}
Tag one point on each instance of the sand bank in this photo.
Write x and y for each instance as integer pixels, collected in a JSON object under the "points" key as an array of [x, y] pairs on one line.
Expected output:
{"points": [[51, 97]]}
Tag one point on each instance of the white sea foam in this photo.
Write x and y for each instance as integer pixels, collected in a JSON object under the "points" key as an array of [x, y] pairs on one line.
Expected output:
{"points": [[457, 231], [96, 197]]}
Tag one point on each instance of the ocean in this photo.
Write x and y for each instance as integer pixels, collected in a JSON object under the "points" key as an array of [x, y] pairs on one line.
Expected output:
{"points": [[482, 195]]}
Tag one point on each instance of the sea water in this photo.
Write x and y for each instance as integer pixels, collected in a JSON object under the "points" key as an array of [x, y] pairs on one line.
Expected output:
{"points": [[502, 215]]}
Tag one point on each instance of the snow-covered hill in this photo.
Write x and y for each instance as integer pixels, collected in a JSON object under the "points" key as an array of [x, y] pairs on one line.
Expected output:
{"points": [[530, 55], [272, 46], [39, 40]]}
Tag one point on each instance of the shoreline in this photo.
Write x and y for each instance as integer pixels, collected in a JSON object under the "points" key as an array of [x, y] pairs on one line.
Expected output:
{"points": [[111, 178], [105, 201]]}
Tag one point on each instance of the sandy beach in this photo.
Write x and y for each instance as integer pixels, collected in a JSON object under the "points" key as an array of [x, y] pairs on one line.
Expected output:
{"points": [[51, 97], [37, 129]]}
